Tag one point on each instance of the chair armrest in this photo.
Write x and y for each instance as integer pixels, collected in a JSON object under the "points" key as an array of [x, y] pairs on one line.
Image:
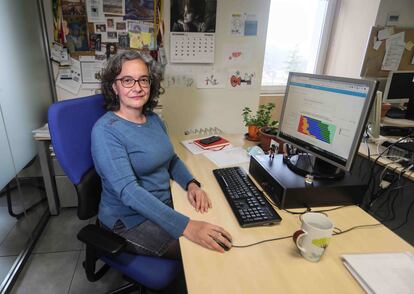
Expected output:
{"points": [[102, 239]]}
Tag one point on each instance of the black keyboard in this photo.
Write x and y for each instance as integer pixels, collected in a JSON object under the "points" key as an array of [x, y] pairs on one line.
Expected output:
{"points": [[248, 203]]}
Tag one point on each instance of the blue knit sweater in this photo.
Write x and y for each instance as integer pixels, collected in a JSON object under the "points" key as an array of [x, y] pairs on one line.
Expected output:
{"points": [[135, 163]]}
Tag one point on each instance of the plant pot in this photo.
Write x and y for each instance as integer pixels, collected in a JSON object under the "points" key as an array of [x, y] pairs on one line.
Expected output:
{"points": [[253, 132], [266, 138]]}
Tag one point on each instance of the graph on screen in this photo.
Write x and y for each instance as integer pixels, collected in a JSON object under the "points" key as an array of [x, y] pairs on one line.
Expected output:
{"points": [[317, 129]]}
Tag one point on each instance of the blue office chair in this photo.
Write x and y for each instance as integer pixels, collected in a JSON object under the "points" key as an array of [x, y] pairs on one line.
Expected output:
{"points": [[70, 125]]}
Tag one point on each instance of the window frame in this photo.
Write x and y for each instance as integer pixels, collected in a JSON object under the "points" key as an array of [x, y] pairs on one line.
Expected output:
{"points": [[322, 50]]}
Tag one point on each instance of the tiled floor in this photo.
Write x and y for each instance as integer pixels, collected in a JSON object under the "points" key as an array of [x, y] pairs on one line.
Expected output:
{"points": [[55, 265], [15, 233]]}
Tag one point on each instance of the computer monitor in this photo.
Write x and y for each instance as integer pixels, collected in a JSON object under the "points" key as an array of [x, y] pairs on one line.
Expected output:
{"points": [[400, 89], [324, 116]]}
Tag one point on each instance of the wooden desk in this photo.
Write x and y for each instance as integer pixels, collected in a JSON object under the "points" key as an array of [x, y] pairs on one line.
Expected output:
{"points": [[273, 266]]}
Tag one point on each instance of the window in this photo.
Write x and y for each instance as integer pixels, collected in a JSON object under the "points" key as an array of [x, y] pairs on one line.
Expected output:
{"points": [[297, 38]]}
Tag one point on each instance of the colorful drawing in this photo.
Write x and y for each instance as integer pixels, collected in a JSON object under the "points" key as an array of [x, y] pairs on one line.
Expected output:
{"points": [[239, 79], [317, 129]]}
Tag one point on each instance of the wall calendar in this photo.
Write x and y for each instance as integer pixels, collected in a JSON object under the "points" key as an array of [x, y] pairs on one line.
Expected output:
{"points": [[192, 27], [192, 47]]}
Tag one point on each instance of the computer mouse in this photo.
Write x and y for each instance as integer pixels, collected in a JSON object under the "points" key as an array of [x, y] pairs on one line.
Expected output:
{"points": [[222, 245]]}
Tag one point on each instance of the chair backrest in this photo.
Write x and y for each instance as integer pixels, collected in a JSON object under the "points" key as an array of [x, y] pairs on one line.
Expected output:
{"points": [[70, 126]]}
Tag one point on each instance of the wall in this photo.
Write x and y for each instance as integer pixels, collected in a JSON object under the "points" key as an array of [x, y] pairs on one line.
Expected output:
{"points": [[405, 8], [25, 91], [194, 108], [349, 36]]}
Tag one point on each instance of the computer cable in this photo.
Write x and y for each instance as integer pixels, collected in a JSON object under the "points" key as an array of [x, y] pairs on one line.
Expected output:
{"points": [[337, 231], [372, 177], [400, 190], [260, 242], [378, 195], [309, 209], [380, 155], [407, 214], [391, 199], [340, 231], [398, 193]]}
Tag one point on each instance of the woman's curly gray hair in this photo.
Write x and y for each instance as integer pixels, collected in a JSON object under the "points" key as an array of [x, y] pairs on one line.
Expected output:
{"points": [[114, 68]]}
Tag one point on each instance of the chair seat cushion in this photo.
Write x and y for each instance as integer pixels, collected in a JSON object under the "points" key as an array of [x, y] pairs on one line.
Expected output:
{"points": [[152, 272]]}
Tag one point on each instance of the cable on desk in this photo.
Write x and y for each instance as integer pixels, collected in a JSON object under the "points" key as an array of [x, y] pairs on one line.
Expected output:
{"points": [[309, 209], [335, 233], [260, 242], [340, 231], [301, 212]]}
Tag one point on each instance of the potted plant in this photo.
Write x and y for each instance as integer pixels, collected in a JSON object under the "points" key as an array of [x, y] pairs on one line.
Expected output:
{"points": [[268, 134], [262, 118]]}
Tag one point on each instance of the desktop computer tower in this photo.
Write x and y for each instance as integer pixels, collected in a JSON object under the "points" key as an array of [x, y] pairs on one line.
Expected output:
{"points": [[289, 190]]}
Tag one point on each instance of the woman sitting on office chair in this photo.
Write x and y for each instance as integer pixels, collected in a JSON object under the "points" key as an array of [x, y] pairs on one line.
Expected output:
{"points": [[135, 160]]}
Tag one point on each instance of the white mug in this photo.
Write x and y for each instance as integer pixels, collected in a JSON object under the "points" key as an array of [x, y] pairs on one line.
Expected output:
{"points": [[314, 236]]}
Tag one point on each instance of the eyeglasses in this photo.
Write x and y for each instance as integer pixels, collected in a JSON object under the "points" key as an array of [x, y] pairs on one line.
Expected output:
{"points": [[129, 82]]}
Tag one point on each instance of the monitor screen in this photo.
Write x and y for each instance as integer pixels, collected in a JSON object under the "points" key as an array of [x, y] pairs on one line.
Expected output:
{"points": [[399, 87], [325, 115]]}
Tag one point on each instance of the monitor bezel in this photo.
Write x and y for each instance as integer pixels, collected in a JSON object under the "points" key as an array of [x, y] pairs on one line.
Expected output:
{"points": [[388, 86], [310, 148]]}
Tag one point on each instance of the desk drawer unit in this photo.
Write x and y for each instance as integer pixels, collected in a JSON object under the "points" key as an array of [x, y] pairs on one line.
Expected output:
{"points": [[65, 189]]}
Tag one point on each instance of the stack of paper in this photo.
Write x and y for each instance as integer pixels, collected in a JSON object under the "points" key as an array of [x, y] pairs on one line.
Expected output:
{"points": [[41, 133], [382, 272]]}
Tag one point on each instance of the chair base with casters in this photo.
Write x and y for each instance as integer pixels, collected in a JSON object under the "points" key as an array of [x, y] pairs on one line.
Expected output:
{"points": [[70, 126]]}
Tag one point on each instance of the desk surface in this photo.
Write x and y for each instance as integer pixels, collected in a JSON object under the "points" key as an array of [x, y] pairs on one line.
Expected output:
{"points": [[277, 265]]}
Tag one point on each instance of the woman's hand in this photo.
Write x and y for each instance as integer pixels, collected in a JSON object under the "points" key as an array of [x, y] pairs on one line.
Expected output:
{"points": [[207, 235], [198, 198]]}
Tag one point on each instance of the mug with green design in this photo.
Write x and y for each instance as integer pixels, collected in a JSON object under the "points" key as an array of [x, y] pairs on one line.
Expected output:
{"points": [[314, 236]]}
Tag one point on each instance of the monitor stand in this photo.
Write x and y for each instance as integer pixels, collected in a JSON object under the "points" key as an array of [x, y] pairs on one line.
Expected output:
{"points": [[307, 164]]}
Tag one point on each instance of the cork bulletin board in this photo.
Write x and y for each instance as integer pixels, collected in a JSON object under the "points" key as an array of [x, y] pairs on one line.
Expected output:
{"points": [[371, 66]]}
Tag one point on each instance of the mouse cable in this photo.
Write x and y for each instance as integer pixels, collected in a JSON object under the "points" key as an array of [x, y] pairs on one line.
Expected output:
{"points": [[263, 241], [337, 231]]}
